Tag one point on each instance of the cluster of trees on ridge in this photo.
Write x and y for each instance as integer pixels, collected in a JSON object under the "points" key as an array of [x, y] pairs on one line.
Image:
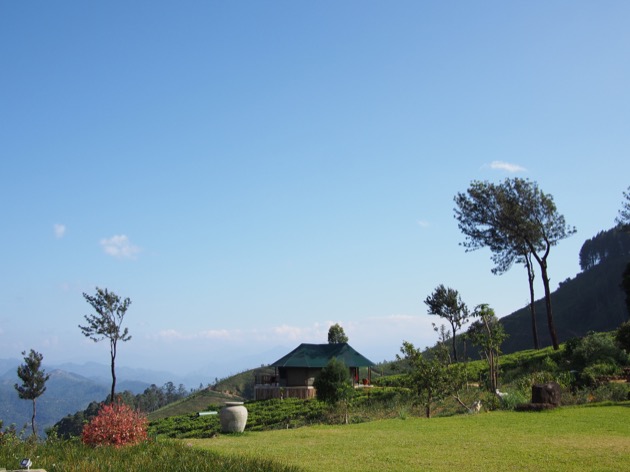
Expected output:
{"points": [[611, 244]]}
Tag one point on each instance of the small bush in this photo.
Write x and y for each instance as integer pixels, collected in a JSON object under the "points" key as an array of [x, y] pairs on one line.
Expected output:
{"points": [[524, 384], [595, 348], [513, 399], [116, 425], [592, 373], [549, 364], [10, 435], [622, 336], [397, 380], [611, 392]]}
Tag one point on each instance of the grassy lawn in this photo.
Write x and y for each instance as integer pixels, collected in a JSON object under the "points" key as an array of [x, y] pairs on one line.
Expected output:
{"points": [[72, 456], [594, 438]]}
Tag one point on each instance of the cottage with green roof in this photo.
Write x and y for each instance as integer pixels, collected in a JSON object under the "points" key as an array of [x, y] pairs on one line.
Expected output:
{"points": [[295, 373]]}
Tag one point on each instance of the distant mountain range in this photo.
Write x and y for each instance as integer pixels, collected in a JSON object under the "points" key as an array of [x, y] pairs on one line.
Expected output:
{"points": [[66, 393], [72, 387]]}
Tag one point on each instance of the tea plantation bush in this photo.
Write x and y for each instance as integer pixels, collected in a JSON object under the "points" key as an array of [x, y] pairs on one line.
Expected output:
{"points": [[262, 415]]}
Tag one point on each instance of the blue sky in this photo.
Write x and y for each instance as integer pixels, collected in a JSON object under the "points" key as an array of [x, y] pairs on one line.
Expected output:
{"points": [[250, 172]]}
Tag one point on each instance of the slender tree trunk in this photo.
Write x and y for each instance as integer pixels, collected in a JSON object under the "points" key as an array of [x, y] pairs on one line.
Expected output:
{"points": [[494, 372], [532, 308], [625, 286], [493, 369], [542, 262], [33, 419], [454, 342], [113, 354], [427, 407], [496, 369], [552, 328], [490, 355]]}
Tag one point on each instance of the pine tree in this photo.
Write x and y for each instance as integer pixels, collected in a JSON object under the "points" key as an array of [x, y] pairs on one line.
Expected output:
{"points": [[34, 380]]}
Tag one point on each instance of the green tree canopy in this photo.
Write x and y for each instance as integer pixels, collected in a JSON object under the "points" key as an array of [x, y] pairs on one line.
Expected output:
{"points": [[625, 285], [33, 379], [107, 324], [336, 335], [624, 221], [333, 385], [624, 213], [431, 375], [447, 303], [488, 334], [510, 218]]}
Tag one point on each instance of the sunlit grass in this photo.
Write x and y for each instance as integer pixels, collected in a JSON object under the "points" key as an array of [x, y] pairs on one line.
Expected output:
{"points": [[72, 456], [567, 439], [576, 438]]}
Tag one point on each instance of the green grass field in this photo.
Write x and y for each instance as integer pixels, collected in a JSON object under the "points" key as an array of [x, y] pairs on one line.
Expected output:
{"points": [[592, 438], [72, 456]]}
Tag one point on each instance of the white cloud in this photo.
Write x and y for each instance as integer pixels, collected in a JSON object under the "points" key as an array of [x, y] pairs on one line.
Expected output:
{"points": [[506, 166], [169, 335], [314, 333], [403, 318], [51, 342], [215, 334], [297, 333], [119, 246], [175, 335], [289, 332], [60, 230], [377, 337], [423, 223]]}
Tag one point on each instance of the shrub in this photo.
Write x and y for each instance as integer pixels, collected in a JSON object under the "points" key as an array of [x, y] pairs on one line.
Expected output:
{"points": [[513, 399], [595, 348], [333, 384], [549, 364], [397, 380], [10, 435], [611, 392], [594, 372], [116, 425], [622, 336]]}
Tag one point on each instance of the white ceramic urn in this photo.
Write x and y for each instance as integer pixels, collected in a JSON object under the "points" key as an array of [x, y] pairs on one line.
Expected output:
{"points": [[233, 417]]}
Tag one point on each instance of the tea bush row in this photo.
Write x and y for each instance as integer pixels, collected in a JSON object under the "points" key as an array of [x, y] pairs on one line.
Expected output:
{"points": [[262, 415]]}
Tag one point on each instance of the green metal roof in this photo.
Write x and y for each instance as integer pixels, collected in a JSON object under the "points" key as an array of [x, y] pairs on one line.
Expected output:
{"points": [[318, 355]]}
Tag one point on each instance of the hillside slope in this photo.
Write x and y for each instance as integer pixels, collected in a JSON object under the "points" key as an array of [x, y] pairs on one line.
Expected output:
{"points": [[194, 403], [592, 301]]}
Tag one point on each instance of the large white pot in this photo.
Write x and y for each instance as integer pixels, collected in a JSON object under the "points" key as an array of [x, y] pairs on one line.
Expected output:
{"points": [[233, 417]]}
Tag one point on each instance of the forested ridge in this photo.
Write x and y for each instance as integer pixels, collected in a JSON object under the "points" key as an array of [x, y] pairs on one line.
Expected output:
{"points": [[611, 244]]}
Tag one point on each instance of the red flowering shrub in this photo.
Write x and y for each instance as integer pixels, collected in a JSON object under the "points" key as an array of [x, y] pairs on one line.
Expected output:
{"points": [[115, 425]]}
